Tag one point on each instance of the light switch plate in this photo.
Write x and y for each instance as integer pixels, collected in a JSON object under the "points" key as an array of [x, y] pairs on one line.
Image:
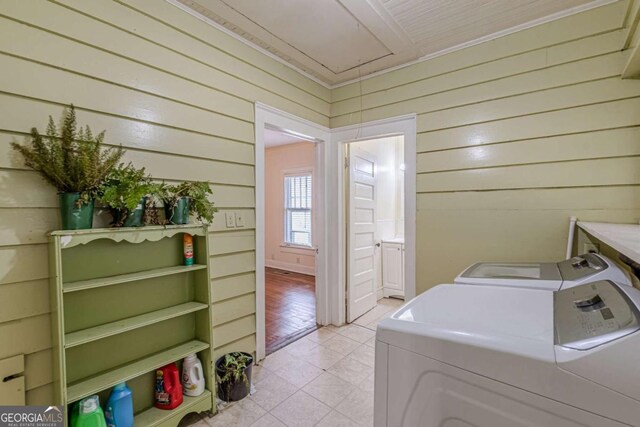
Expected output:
{"points": [[231, 219], [240, 219]]}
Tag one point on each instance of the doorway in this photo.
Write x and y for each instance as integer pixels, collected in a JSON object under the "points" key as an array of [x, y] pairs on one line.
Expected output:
{"points": [[290, 249], [289, 267], [338, 263], [375, 226]]}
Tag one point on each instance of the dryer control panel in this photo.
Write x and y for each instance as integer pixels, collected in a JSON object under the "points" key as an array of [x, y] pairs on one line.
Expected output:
{"points": [[593, 314], [581, 266]]}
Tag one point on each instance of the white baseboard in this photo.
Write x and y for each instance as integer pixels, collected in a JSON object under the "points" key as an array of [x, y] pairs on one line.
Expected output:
{"points": [[295, 268]]}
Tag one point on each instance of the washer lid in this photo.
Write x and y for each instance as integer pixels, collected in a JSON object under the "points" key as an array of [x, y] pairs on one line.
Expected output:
{"points": [[532, 275], [509, 320]]}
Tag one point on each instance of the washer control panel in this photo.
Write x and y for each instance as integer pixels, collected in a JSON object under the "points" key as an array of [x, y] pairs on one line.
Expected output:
{"points": [[593, 314], [581, 266]]}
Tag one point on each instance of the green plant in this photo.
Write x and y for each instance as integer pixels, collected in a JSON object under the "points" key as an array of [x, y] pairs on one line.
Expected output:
{"points": [[196, 192], [233, 366], [124, 188], [72, 160]]}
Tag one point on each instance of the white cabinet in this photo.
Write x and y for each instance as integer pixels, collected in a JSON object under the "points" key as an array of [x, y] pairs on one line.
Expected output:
{"points": [[392, 269]]}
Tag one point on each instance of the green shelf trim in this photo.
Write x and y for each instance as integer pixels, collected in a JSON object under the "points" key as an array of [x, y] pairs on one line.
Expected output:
{"points": [[155, 417], [71, 238], [107, 379], [102, 331], [130, 277]]}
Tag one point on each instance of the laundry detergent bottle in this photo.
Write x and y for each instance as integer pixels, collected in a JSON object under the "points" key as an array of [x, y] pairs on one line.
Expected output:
{"points": [[90, 414], [192, 376], [119, 409], [168, 387]]}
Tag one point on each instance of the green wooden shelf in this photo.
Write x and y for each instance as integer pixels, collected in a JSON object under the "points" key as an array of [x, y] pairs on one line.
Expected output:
{"points": [[105, 380], [82, 285], [98, 332], [154, 417], [103, 335]]}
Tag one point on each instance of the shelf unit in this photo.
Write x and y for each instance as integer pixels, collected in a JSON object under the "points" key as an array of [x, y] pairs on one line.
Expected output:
{"points": [[123, 305]]}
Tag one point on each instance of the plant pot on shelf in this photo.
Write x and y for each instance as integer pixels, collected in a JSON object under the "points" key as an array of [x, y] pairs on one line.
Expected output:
{"points": [[75, 216], [133, 218], [232, 388], [179, 212]]}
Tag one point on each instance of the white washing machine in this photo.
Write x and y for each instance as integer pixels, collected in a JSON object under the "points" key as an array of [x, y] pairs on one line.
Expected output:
{"points": [[488, 356], [551, 276]]}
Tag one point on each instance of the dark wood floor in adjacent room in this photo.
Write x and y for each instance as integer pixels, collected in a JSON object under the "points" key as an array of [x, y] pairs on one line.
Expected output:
{"points": [[290, 307]]}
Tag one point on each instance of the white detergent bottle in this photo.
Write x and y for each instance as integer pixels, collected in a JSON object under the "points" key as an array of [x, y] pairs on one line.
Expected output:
{"points": [[192, 376]]}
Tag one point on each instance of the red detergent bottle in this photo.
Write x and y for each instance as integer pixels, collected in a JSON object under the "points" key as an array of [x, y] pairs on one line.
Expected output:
{"points": [[168, 387]]}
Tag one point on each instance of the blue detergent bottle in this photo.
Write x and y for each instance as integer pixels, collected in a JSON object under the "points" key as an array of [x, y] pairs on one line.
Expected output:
{"points": [[119, 409]]}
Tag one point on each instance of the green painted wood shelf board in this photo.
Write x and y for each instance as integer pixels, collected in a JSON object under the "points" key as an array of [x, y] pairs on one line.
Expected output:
{"points": [[71, 238], [92, 334], [156, 417], [82, 285], [112, 377]]}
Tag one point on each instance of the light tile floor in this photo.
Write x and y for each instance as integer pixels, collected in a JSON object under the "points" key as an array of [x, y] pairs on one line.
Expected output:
{"points": [[323, 379]]}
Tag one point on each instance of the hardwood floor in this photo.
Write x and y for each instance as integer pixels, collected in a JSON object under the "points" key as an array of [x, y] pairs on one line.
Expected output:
{"points": [[290, 307]]}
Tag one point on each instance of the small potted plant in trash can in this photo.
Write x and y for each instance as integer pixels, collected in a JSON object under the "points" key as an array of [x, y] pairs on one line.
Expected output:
{"points": [[125, 193], [233, 371], [75, 162], [187, 198]]}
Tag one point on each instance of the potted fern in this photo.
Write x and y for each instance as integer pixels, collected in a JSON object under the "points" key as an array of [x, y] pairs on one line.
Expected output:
{"points": [[75, 162], [233, 371], [187, 198], [125, 192]]}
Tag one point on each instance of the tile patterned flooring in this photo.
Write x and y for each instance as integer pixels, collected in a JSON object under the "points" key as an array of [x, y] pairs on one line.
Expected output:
{"points": [[324, 379]]}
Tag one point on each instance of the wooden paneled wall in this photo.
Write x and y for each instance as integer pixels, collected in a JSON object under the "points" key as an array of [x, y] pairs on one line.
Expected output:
{"points": [[178, 94], [515, 135]]}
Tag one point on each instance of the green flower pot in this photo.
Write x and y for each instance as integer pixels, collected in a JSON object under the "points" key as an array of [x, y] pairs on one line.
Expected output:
{"points": [[134, 218], [74, 217], [180, 212]]}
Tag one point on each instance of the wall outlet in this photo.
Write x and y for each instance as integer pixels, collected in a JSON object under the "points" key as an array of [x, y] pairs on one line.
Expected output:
{"points": [[231, 219], [239, 219], [590, 248]]}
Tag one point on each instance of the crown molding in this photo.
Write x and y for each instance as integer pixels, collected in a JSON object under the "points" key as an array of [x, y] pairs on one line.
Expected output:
{"points": [[536, 22]]}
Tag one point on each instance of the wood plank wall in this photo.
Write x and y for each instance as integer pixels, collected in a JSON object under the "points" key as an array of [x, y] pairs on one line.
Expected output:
{"points": [[515, 135], [178, 94]]}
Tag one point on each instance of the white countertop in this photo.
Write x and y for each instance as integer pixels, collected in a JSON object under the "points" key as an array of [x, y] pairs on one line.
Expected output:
{"points": [[624, 238]]}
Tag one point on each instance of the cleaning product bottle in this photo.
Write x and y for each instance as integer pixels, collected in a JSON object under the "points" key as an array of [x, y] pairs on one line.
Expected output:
{"points": [[168, 387], [75, 411], [192, 377], [90, 414], [119, 409], [188, 249]]}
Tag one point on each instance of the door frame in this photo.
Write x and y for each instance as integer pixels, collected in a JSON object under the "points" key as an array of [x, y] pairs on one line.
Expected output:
{"points": [[335, 174], [273, 118]]}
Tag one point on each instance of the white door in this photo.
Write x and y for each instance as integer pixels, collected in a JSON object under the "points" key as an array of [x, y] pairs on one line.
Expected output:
{"points": [[361, 273]]}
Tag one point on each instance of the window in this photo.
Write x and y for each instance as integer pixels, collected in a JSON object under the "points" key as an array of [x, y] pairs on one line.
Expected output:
{"points": [[297, 207]]}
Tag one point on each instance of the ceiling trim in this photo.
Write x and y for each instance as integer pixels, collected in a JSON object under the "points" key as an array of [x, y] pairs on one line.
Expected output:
{"points": [[241, 39], [536, 22]]}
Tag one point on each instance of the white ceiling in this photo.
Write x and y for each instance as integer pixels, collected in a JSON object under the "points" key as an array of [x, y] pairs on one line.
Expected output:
{"points": [[340, 40], [274, 138]]}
